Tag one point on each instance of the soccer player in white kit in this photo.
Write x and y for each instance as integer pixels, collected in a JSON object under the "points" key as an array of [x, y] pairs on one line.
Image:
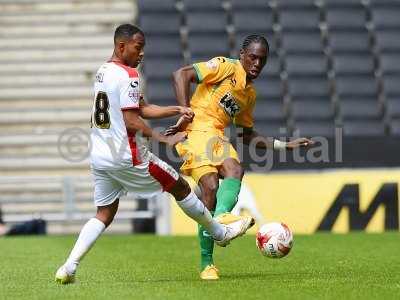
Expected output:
{"points": [[120, 164]]}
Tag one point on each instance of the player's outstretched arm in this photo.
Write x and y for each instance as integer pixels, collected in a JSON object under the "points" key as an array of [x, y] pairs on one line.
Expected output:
{"points": [[249, 136], [152, 111], [134, 124]]}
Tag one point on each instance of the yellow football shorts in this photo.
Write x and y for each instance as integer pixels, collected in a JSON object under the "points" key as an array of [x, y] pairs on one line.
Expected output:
{"points": [[203, 152]]}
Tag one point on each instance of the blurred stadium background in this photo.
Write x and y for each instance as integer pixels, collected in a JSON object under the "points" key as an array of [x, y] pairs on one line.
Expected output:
{"points": [[333, 72]]}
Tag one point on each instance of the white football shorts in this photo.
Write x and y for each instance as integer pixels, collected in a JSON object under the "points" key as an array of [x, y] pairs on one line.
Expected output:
{"points": [[144, 180]]}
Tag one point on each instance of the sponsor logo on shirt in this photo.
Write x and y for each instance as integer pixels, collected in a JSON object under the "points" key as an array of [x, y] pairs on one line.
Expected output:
{"points": [[134, 84], [229, 104], [99, 77], [134, 95]]}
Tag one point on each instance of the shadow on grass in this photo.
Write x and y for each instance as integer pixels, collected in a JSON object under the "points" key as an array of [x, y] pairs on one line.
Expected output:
{"points": [[165, 280], [232, 276], [248, 275]]}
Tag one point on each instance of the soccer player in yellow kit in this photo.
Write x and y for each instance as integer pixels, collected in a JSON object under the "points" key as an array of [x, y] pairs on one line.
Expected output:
{"points": [[224, 94]]}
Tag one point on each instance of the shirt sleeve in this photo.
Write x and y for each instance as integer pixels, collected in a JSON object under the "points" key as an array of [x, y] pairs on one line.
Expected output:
{"points": [[245, 117], [214, 70], [129, 93]]}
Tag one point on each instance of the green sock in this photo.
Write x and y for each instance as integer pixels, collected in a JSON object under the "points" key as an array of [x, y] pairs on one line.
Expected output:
{"points": [[206, 247], [227, 195]]}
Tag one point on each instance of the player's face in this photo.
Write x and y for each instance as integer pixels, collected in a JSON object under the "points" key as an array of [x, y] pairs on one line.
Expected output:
{"points": [[133, 51], [253, 59]]}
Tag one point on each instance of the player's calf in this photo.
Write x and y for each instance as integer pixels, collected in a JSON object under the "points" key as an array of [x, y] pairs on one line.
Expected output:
{"points": [[90, 232]]}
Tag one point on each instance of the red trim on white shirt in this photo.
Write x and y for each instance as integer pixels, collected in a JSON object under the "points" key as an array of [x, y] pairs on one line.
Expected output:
{"points": [[130, 107], [131, 71]]}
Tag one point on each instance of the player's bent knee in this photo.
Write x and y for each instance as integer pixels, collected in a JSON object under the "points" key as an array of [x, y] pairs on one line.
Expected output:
{"points": [[232, 168], [236, 172], [181, 189], [107, 213]]}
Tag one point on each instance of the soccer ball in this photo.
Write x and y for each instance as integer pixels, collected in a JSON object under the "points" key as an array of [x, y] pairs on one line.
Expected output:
{"points": [[274, 240]]}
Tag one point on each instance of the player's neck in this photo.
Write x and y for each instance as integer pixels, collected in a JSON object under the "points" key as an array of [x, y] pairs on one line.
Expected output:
{"points": [[115, 58]]}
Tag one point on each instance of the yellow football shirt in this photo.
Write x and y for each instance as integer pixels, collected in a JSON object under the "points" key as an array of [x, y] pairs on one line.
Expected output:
{"points": [[222, 95]]}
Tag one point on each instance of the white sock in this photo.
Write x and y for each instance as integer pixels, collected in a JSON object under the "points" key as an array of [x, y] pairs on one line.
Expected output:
{"points": [[88, 236], [195, 209]]}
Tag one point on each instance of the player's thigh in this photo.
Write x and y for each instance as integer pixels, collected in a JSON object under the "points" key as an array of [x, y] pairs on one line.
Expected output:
{"points": [[148, 178], [106, 189]]}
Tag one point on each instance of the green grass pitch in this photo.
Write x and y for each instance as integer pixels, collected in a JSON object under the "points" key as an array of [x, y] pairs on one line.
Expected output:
{"points": [[320, 266]]}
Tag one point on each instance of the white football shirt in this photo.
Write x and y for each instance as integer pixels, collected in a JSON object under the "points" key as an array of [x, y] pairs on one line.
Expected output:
{"points": [[116, 88]]}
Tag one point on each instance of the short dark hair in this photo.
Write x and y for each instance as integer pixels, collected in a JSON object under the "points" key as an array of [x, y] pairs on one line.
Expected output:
{"points": [[255, 38], [126, 31]]}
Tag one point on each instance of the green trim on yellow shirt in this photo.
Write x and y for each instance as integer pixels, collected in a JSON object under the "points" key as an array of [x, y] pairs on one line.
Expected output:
{"points": [[198, 73]]}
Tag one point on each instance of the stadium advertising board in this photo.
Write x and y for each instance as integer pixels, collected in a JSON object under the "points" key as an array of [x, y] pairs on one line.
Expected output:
{"points": [[336, 201]]}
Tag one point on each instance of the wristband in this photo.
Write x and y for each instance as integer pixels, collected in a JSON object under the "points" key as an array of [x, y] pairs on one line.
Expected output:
{"points": [[279, 145]]}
